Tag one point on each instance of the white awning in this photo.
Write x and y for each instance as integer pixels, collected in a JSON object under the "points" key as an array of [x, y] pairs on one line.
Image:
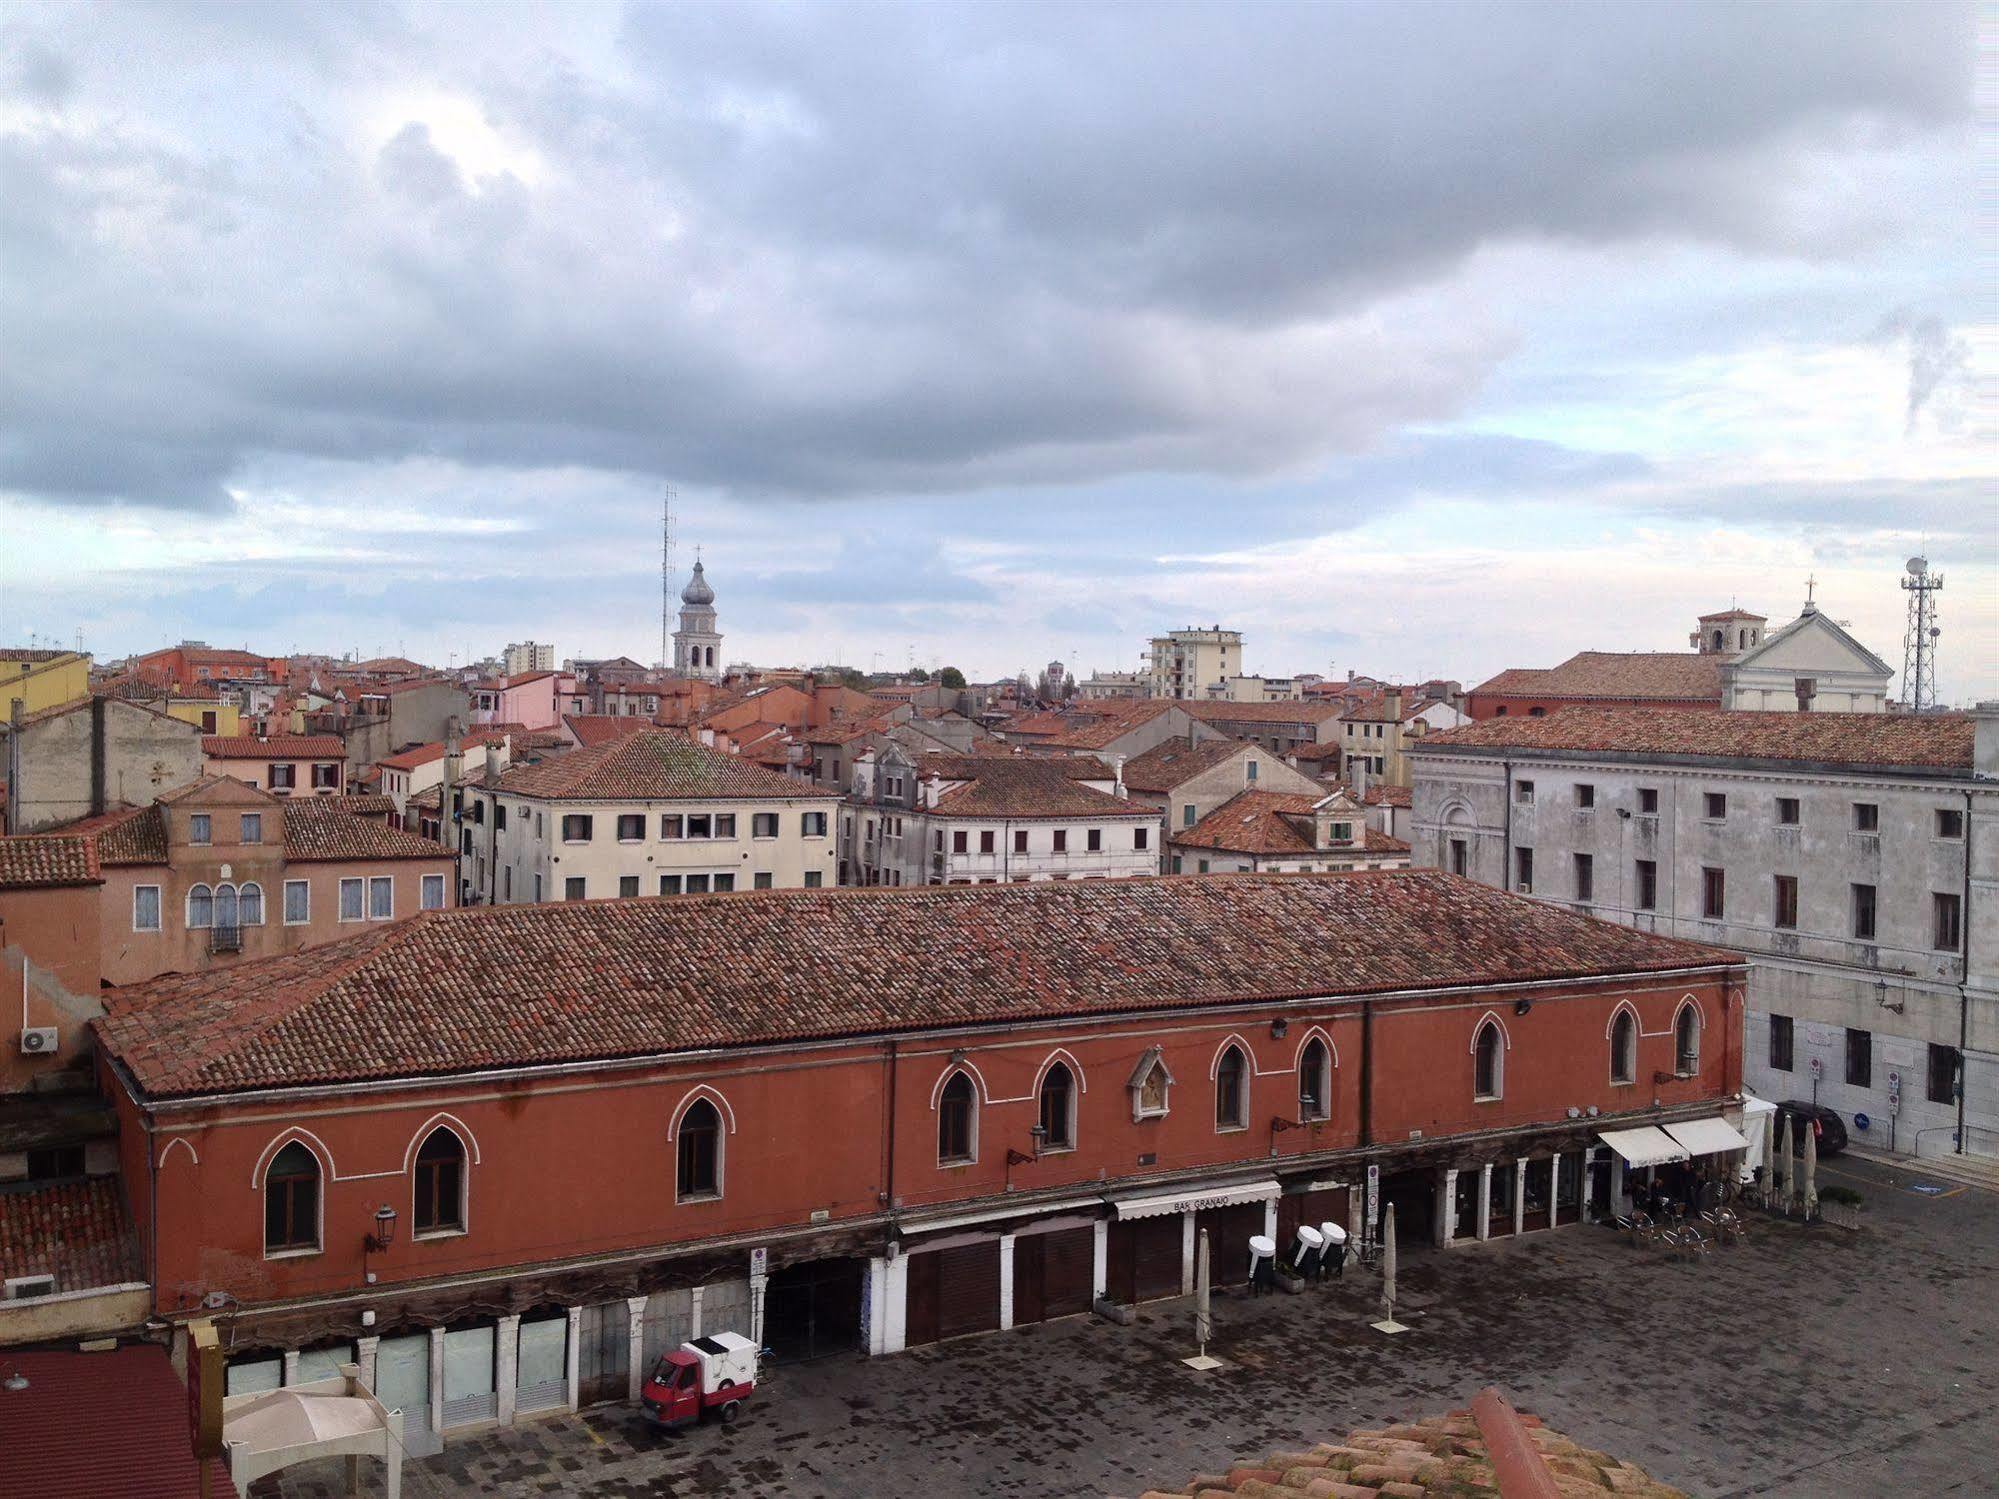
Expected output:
{"points": [[1645, 1146], [1708, 1136], [1194, 1199]]}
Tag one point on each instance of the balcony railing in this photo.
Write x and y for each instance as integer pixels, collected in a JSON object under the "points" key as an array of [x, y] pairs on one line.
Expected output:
{"points": [[225, 938]]}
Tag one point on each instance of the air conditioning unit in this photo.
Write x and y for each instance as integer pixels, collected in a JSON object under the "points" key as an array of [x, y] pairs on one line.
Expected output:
{"points": [[39, 1041]]}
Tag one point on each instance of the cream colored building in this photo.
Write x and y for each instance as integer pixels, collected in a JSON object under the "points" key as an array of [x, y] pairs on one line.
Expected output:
{"points": [[1188, 663], [1810, 665], [650, 814]]}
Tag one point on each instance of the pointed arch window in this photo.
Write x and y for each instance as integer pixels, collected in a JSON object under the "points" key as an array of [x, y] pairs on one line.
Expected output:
{"points": [[700, 1141], [1058, 1109], [1624, 1048], [1687, 1042], [957, 1122], [291, 1201], [1232, 1090], [440, 1184], [1489, 1062], [1315, 1081]]}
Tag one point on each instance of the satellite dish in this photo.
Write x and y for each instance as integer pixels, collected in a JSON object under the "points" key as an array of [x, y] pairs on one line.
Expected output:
{"points": [[1918, 566]]}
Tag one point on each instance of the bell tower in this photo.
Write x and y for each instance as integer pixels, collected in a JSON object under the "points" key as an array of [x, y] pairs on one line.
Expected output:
{"points": [[697, 644]]}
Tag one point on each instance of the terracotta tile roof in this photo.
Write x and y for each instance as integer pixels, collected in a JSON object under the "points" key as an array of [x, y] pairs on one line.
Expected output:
{"points": [[1027, 789], [1310, 752], [1295, 711], [1379, 795], [1938, 741], [1174, 762], [1099, 730], [954, 767], [316, 832], [598, 728], [363, 805], [277, 747], [76, 1231], [1671, 676], [451, 991], [847, 730], [1734, 614], [110, 1425], [1439, 1457], [413, 758], [137, 835], [1272, 822], [652, 765], [1377, 710], [24, 654], [47, 861]]}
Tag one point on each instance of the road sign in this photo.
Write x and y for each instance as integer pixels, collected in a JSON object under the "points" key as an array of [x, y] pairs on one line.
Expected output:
{"points": [[1818, 1068], [1373, 1195], [759, 1260]]}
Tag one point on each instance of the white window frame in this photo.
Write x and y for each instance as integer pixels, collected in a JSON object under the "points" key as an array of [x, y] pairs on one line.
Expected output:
{"points": [[423, 900], [361, 904], [206, 824], [242, 832], [158, 908], [187, 908], [304, 886], [375, 880], [249, 885]]}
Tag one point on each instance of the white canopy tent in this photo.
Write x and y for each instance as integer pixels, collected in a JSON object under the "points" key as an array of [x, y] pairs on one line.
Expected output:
{"points": [[1708, 1136], [337, 1417], [1759, 1128], [1647, 1145]]}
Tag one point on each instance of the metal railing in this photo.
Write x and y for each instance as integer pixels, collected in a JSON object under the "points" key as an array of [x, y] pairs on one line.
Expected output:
{"points": [[225, 938]]}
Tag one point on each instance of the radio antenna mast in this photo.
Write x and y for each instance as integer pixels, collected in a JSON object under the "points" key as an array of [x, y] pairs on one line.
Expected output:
{"points": [[1919, 640], [666, 581]]}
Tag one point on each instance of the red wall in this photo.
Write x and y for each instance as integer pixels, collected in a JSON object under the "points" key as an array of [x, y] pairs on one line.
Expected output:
{"points": [[581, 1164]]}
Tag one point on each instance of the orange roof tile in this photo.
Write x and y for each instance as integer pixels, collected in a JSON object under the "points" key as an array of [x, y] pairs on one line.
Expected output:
{"points": [[277, 747], [48, 861], [1175, 762], [76, 1231], [1670, 676], [1027, 789], [1272, 823], [1934, 741], [651, 765]]}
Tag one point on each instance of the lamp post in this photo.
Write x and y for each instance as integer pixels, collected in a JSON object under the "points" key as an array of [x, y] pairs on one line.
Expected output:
{"points": [[379, 1239]]}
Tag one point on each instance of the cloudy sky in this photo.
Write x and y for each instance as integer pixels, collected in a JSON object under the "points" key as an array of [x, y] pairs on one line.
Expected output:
{"points": [[1412, 339]]}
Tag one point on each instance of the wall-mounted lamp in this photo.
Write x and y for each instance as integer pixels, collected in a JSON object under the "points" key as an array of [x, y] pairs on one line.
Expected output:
{"points": [[385, 1229], [1278, 1027], [1521, 1007], [1279, 1124]]}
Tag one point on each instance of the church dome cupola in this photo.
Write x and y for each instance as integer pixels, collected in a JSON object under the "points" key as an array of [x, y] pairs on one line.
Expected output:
{"points": [[697, 591]]}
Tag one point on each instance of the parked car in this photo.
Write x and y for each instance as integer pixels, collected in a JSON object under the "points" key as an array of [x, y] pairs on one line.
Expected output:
{"points": [[1830, 1127], [711, 1375]]}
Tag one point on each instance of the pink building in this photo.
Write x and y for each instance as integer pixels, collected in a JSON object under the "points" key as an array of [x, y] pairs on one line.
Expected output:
{"points": [[534, 699]]}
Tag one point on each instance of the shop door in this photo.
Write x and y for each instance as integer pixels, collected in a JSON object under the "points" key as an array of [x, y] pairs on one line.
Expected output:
{"points": [[469, 1393], [604, 1354], [1229, 1232], [1145, 1257], [1327, 1205], [543, 1368], [669, 1322], [402, 1381], [814, 1309], [953, 1292], [1052, 1274], [1414, 1194]]}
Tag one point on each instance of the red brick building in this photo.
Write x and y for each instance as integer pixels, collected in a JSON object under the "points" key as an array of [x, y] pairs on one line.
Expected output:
{"points": [[1604, 679], [864, 1118]]}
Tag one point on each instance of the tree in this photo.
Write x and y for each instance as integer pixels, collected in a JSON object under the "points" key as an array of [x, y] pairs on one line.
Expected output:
{"points": [[952, 678], [919, 674]]}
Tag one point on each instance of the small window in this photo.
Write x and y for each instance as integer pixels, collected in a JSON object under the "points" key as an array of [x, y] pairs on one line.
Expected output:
{"points": [[324, 777], [725, 824], [1315, 1082], [1523, 870], [250, 905], [381, 897], [499, 817], [697, 884], [1094, 840], [1947, 931], [763, 824], [700, 1152], [761, 880], [671, 826], [1866, 817], [724, 883], [146, 908], [669, 884], [430, 893], [1785, 915], [572, 887], [1232, 1090], [1950, 822], [291, 1201], [1249, 771], [631, 827], [200, 908], [1187, 816], [1624, 1048], [1488, 1063], [1646, 896], [1341, 832], [700, 825], [1523, 792], [1460, 856], [986, 842], [576, 827], [1714, 893], [1648, 801], [1020, 841], [55, 1163], [1859, 1058], [197, 828], [1141, 839], [1780, 1043], [440, 1184], [352, 898], [1787, 811], [628, 885], [1585, 794], [1863, 913], [956, 1111], [1944, 1063], [813, 824], [1687, 1042], [298, 902], [1061, 840], [814, 879], [1716, 803], [1585, 877], [252, 827], [960, 841], [1058, 1104]]}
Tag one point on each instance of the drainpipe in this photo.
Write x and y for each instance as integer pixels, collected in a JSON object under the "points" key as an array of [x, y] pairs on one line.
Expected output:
{"points": [[14, 802], [1963, 978], [96, 756], [1367, 1072], [1506, 880]]}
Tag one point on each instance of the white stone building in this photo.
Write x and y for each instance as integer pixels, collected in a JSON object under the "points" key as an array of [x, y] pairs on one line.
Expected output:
{"points": [[1853, 856], [526, 656], [697, 644], [652, 813], [1272, 832], [1187, 663]]}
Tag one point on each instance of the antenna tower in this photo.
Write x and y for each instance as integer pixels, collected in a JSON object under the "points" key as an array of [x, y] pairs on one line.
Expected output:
{"points": [[666, 580], [1919, 640]]}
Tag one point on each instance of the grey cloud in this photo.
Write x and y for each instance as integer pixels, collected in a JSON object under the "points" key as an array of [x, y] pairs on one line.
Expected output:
{"points": [[1935, 355]]}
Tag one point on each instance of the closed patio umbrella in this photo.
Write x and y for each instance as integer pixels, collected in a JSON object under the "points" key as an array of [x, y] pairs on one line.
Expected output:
{"points": [[1811, 1192], [1203, 1316], [1780, 1167]]}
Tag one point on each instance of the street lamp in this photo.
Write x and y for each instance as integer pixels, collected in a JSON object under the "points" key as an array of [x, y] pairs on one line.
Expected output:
{"points": [[385, 1229]]}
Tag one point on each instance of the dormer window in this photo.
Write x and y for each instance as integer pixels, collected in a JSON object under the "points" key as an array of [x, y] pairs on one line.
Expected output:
{"points": [[1151, 1086]]}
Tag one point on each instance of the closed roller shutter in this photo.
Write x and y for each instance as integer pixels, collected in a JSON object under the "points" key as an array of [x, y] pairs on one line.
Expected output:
{"points": [[1327, 1205], [1229, 1231], [1145, 1258], [1052, 1274], [402, 1382], [542, 1366], [469, 1394], [953, 1292]]}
